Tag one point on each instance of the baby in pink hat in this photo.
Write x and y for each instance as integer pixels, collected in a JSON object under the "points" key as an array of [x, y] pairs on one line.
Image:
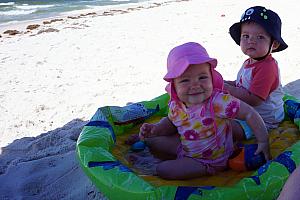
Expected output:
{"points": [[195, 139]]}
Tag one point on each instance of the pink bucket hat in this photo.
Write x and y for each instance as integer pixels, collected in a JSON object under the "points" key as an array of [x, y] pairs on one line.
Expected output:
{"points": [[182, 56]]}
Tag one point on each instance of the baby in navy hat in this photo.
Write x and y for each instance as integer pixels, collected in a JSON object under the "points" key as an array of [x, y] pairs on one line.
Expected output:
{"points": [[258, 81]]}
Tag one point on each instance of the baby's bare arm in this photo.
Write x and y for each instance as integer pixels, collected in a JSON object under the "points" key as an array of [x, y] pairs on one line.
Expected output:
{"points": [[166, 127], [232, 83], [257, 124], [291, 188], [162, 128], [243, 94]]}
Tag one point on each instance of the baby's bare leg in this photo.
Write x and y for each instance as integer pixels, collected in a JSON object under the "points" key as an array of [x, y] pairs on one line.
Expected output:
{"points": [[237, 131], [183, 168], [164, 147]]}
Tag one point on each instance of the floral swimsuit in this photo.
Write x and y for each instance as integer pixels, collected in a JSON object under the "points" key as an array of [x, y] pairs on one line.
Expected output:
{"points": [[205, 131]]}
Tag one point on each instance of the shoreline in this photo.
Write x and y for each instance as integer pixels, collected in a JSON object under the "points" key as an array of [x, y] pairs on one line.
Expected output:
{"points": [[109, 10]]}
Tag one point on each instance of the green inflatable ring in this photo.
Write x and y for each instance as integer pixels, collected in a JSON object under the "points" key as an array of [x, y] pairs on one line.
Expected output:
{"points": [[117, 181]]}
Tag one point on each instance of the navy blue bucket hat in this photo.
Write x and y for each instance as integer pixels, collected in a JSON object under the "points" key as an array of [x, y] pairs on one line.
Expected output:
{"points": [[268, 19]]}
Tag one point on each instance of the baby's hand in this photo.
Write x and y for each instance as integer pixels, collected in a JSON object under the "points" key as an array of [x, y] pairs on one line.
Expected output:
{"points": [[147, 130], [265, 149]]}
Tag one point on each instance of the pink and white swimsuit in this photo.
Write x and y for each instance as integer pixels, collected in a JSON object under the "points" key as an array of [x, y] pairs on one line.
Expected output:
{"points": [[205, 131]]}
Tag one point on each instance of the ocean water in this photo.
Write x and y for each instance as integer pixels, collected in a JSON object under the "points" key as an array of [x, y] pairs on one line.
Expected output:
{"points": [[19, 10]]}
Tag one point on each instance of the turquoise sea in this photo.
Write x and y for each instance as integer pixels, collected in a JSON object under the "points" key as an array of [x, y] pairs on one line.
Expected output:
{"points": [[20, 10]]}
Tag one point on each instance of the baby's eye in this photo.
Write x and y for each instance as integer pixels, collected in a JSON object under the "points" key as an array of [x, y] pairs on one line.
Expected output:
{"points": [[261, 37], [244, 36], [184, 80], [202, 77]]}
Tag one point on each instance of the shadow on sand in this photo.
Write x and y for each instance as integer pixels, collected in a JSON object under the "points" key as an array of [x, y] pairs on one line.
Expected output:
{"points": [[45, 167]]}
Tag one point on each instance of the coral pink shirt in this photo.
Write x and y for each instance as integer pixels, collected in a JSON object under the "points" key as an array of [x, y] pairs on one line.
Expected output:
{"points": [[262, 78]]}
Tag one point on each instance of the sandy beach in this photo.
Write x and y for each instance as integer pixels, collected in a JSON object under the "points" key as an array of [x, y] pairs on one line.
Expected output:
{"points": [[54, 77]]}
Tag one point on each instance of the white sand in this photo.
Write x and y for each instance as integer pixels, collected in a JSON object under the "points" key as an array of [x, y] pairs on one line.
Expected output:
{"points": [[52, 83]]}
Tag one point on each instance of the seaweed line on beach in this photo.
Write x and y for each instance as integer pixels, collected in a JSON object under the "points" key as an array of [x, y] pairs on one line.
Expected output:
{"points": [[45, 26]]}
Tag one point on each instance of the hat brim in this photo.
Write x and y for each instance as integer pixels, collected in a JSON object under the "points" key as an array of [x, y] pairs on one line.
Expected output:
{"points": [[282, 45], [235, 32]]}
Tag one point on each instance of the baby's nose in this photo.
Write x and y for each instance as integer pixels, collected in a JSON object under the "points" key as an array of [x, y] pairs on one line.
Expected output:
{"points": [[252, 39], [195, 84]]}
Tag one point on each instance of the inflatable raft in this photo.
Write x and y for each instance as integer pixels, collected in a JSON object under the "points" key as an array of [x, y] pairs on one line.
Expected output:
{"points": [[101, 149]]}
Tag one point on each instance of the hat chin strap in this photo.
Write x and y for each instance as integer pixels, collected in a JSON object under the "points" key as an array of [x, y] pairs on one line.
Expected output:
{"points": [[269, 51], [170, 88]]}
